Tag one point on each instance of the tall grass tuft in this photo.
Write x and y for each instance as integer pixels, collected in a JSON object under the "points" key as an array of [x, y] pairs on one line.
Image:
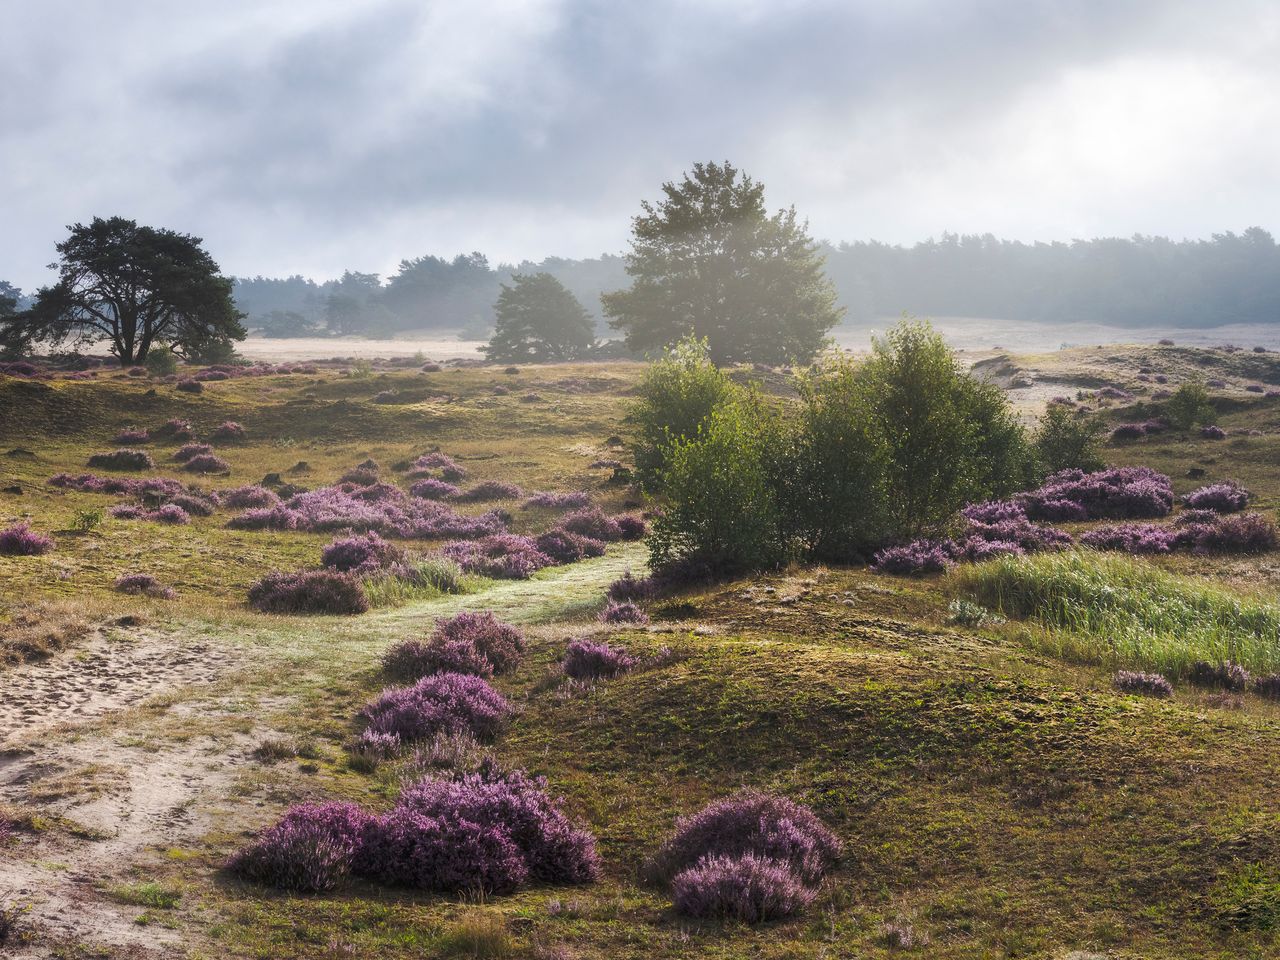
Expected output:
{"points": [[1125, 613]]}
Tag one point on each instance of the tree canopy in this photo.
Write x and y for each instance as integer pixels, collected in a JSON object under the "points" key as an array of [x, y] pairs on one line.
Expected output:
{"points": [[539, 321], [136, 287], [708, 260]]}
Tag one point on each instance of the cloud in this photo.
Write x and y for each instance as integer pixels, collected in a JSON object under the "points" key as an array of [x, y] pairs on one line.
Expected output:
{"points": [[310, 138]]}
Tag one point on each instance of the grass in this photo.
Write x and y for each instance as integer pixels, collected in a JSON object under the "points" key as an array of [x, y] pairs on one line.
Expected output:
{"points": [[151, 894], [1120, 612]]}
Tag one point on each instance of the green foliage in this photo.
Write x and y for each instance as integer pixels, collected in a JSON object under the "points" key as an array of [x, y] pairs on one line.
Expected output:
{"points": [[85, 520], [361, 369], [946, 438], [721, 512], [160, 361], [539, 321], [677, 395], [1068, 439], [1121, 612], [708, 260], [1189, 406]]}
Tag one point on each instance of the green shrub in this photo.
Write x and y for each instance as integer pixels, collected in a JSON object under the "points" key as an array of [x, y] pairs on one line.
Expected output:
{"points": [[160, 361], [85, 520], [1069, 439], [1189, 406], [721, 512], [677, 395]]}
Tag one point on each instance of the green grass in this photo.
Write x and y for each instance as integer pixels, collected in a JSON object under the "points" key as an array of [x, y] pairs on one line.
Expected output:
{"points": [[151, 894], [1120, 612]]}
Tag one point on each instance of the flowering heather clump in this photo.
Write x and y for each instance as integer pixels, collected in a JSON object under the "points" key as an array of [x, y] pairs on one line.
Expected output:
{"points": [[189, 385], [360, 553], [439, 703], [238, 498], [565, 547], [1267, 685], [229, 432], [206, 463], [176, 429], [915, 558], [995, 511], [371, 747], [189, 451], [1213, 432], [502, 556], [977, 549], [631, 527], [474, 643], [433, 489], [623, 612], [20, 540], [1114, 393], [630, 587], [330, 509], [749, 888], [557, 500], [1227, 675], [1234, 533], [195, 506], [170, 513], [308, 591], [133, 435], [428, 463], [405, 848], [1129, 431], [750, 822], [313, 847], [592, 522], [127, 511], [1143, 684], [1027, 536], [489, 490], [143, 584], [590, 660], [1131, 538], [553, 848], [1225, 497], [123, 459], [1125, 493]]}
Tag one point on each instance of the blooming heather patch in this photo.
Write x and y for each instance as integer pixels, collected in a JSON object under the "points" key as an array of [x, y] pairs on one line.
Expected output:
{"points": [[123, 459], [1143, 684], [1213, 432], [127, 511], [1131, 538], [378, 493], [622, 612], [20, 540], [238, 498], [1226, 675], [176, 429], [1027, 536], [503, 556], [309, 591], [915, 558], [1224, 497], [590, 660], [1129, 431], [565, 547], [360, 553], [194, 505], [592, 522], [1267, 685], [132, 435], [474, 643], [632, 588], [143, 584], [1125, 493], [151, 487], [331, 509], [557, 500], [995, 511], [750, 822], [489, 491], [313, 847], [1234, 533], [630, 526], [188, 385], [977, 549], [228, 432], [206, 463], [405, 848], [433, 489], [749, 888], [440, 703], [171, 514], [189, 451]]}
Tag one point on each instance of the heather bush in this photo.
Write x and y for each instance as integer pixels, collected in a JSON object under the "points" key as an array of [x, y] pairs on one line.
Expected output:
{"points": [[360, 553], [1127, 493], [313, 847], [915, 558], [475, 643], [1267, 685], [228, 432], [978, 549], [1188, 406], [195, 506], [490, 490], [309, 591], [143, 584], [189, 385], [630, 526], [749, 888], [1129, 431], [750, 822], [995, 511], [127, 511], [1027, 536], [1225, 497], [20, 540], [406, 848], [370, 748], [623, 612], [439, 703], [189, 451], [1225, 674], [565, 547], [239, 498], [206, 463], [591, 660], [592, 522], [433, 489], [1213, 432], [1131, 538], [330, 509], [1143, 684], [502, 556], [1232, 533], [123, 459], [170, 513], [449, 469], [132, 435], [629, 587], [557, 500], [175, 429]]}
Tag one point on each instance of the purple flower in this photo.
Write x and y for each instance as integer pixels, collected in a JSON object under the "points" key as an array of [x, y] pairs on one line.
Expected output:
{"points": [[915, 558], [361, 553], [558, 500], [1224, 497], [239, 498], [565, 547], [474, 643], [749, 888], [206, 463], [313, 847], [433, 489], [590, 660], [488, 491], [503, 556], [228, 432], [622, 612], [440, 703], [144, 584], [20, 540]]}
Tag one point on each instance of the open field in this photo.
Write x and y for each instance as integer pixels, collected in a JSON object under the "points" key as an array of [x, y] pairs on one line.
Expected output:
{"points": [[996, 797]]}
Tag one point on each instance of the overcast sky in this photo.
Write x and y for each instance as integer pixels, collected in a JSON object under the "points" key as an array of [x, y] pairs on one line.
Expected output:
{"points": [[308, 137]]}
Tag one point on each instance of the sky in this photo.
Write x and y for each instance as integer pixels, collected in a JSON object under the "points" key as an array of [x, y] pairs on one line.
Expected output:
{"points": [[332, 134]]}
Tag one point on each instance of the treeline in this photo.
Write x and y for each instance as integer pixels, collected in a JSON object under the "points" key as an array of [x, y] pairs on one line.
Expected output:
{"points": [[1140, 281]]}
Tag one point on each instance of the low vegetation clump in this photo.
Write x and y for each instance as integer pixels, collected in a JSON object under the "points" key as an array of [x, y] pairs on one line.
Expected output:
{"points": [[1200, 531], [630, 588], [503, 556], [132, 435], [189, 451], [1123, 493], [475, 643], [176, 429], [433, 489], [332, 509], [123, 459], [565, 547], [1213, 432], [206, 463], [20, 540], [170, 513], [313, 847], [557, 500], [309, 591], [489, 491], [1225, 497], [440, 703], [229, 432], [623, 611], [915, 559], [749, 888], [586, 659], [143, 584], [1142, 684], [241, 498], [360, 553], [431, 463], [1223, 675]]}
